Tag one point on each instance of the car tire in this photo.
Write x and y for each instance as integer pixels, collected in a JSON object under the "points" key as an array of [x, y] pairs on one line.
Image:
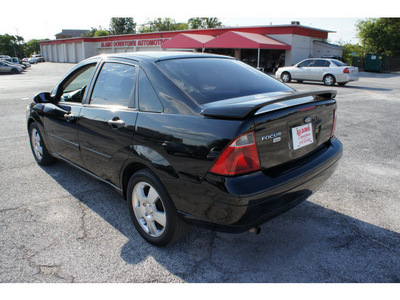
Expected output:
{"points": [[152, 210], [39, 149], [286, 78], [14, 71], [329, 80]]}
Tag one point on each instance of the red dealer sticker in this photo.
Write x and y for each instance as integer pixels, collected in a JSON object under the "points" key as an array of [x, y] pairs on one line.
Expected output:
{"points": [[302, 136]]}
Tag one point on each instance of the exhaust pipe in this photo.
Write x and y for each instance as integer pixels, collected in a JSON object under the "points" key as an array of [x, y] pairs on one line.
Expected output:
{"points": [[255, 230]]}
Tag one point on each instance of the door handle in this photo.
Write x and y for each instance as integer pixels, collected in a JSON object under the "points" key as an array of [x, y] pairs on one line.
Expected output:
{"points": [[69, 117], [116, 123]]}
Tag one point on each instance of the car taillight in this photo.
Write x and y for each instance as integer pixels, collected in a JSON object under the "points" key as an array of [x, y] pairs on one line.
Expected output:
{"points": [[346, 70], [334, 122], [241, 156]]}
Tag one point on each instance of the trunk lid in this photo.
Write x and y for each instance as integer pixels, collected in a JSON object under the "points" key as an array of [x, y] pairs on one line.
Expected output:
{"points": [[287, 126], [244, 107]]}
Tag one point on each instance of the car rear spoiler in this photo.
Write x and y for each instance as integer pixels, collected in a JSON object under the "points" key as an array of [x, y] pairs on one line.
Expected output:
{"points": [[243, 107]]}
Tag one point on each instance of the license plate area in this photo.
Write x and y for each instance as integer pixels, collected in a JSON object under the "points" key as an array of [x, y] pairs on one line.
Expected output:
{"points": [[302, 136]]}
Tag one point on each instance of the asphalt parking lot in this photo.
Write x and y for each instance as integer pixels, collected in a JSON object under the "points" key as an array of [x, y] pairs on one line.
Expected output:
{"points": [[59, 225]]}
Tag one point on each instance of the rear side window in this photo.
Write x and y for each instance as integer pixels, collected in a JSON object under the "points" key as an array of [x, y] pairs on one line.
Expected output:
{"points": [[321, 63], [339, 63], [212, 79], [148, 99], [115, 85]]}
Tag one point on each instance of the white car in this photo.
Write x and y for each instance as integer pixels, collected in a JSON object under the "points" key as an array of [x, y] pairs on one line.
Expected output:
{"points": [[329, 71], [32, 60], [38, 57]]}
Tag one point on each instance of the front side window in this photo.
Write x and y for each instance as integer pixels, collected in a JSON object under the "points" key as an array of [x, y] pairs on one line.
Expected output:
{"points": [[74, 87], [115, 85], [306, 63], [212, 79]]}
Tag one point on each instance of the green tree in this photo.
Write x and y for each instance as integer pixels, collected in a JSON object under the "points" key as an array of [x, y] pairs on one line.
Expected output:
{"points": [[101, 32], [380, 35], [350, 51], [122, 26], [11, 45], [32, 47], [91, 32], [95, 32], [162, 24], [204, 23]]}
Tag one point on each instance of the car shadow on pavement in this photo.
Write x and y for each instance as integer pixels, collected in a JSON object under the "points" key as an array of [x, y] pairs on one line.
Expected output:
{"points": [[348, 86], [379, 74], [309, 243]]}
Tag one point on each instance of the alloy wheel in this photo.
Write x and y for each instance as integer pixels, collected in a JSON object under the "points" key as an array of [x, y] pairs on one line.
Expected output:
{"points": [[329, 80], [286, 77], [36, 144], [149, 209]]}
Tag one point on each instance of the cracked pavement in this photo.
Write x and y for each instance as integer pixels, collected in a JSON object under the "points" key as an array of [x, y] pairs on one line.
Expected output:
{"points": [[59, 225]]}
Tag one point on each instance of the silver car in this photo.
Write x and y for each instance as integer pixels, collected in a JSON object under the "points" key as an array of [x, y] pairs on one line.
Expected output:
{"points": [[6, 67], [329, 71]]}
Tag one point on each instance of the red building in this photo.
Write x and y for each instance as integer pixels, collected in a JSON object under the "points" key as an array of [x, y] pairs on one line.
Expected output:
{"points": [[260, 46]]}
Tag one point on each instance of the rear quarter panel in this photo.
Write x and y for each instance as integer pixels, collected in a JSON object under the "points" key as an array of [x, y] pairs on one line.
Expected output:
{"points": [[189, 143]]}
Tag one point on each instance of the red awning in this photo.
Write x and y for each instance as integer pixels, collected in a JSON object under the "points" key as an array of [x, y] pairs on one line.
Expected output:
{"points": [[245, 40], [186, 40]]}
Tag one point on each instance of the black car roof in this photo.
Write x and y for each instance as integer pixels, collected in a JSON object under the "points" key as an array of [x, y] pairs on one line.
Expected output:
{"points": [[163, 55]]}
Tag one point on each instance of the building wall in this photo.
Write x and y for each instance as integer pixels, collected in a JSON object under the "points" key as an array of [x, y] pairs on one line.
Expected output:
{"points": [[77, 49], [287, 39], [70, 50], [79, 52], [322, 50], [303, 47]]}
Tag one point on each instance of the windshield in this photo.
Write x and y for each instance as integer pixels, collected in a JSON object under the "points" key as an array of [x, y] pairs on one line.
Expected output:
{"points": [[212, 79]]}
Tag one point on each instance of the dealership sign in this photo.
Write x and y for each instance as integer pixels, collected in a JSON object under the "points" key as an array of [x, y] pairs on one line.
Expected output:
{"points": [[133, 43]]}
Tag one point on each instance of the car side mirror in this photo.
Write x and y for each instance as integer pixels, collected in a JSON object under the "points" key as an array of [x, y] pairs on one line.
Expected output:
{"points": [[43, 98]]}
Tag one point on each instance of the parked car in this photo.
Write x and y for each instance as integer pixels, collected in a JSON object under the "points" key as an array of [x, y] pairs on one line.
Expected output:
{"points": [[14, 61], [329, 71], [38, 57], [6, 67], [31, 60], [2, 57], [25, 63], [188, 138]]}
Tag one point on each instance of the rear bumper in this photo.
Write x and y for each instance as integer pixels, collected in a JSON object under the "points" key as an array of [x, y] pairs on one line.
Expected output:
{"points": [[347, 78], [235, 204]]}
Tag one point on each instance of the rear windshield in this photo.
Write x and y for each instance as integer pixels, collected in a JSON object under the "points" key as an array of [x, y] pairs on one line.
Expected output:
{"points": [[339, 63], [212, 79]]}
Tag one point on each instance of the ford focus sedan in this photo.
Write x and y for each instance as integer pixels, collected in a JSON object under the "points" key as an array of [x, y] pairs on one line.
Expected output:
{"points": [[188, 138], [329, 71]]}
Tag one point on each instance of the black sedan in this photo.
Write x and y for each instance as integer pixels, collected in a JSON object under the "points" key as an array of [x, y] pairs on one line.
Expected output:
{"points": [[188, 138]]}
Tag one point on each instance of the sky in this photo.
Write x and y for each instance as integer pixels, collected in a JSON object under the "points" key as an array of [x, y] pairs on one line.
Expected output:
{"points": [[45, 18]]}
